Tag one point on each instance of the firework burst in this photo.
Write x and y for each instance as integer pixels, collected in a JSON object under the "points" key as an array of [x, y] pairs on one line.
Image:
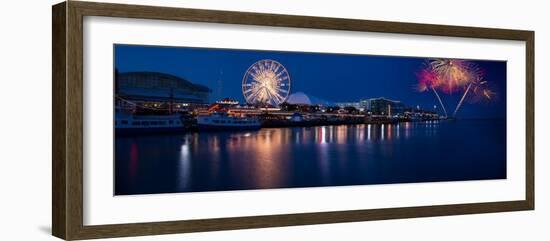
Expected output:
{"points": [[427, 80], [482, 92], [478, 90], [453, 75]]}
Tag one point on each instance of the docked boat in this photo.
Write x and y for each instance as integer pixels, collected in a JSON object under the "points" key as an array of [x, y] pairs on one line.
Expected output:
{"points": [[221, 121], [126, 122]]}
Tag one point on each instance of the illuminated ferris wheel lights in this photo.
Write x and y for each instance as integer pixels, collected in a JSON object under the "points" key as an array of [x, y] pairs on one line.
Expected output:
{"points": [[266, 82]]}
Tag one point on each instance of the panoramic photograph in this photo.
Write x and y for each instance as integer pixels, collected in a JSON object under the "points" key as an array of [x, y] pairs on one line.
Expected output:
{"points": [[190, 119]]}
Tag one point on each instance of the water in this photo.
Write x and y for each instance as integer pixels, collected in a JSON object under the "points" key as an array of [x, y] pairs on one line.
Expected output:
{"points": [[311, 157]]}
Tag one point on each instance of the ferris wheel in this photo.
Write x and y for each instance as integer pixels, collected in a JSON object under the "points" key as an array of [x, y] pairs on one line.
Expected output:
{"points": [[266, 82]]}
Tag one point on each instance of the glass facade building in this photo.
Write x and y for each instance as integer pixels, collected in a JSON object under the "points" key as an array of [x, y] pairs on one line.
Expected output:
{"points": [[383, 106]]}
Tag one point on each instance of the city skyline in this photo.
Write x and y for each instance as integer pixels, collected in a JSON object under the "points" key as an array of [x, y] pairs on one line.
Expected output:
{"points": [[172, 136], [331, 77]]}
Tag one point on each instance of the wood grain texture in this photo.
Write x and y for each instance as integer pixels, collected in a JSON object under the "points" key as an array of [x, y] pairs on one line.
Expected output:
{"points": [[263, 19], [121, 230], [67, 78], [530, 120], [74, 121], [58, 121]]}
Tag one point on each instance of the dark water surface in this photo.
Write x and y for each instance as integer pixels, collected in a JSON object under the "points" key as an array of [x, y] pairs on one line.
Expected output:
{"points": [[311, 157]]}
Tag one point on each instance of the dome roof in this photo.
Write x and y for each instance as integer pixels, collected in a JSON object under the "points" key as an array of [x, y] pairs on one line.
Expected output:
{"points": [[146, 79], [155, 86], [300, 98]]}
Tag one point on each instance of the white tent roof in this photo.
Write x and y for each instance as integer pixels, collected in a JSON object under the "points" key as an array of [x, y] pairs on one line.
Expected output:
{"points": [[300, 98]]}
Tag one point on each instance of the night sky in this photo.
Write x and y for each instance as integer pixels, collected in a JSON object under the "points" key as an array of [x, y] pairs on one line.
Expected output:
{"points": [[331, 77]]}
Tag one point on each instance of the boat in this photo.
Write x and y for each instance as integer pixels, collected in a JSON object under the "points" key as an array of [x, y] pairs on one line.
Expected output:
{"points": [[129, 123], [222, 121]]}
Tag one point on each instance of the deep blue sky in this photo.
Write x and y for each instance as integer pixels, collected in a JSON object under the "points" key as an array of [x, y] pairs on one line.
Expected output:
{"points": [[332, 77]]}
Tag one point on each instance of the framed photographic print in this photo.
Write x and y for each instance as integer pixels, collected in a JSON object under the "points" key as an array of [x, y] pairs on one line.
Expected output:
{"points": [[170, 120]]}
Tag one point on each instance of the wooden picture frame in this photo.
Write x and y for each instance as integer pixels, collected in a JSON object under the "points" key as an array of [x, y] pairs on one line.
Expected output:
{"points": [[67, 152]]}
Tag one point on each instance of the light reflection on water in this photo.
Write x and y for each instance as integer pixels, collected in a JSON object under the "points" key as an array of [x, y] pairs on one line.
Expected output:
{"points": [[309, 156]]}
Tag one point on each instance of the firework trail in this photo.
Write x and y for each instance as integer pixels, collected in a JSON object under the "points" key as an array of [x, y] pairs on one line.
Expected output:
{"points": [[440, 102], [462, 99], [427, 80], [480, 91]]}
